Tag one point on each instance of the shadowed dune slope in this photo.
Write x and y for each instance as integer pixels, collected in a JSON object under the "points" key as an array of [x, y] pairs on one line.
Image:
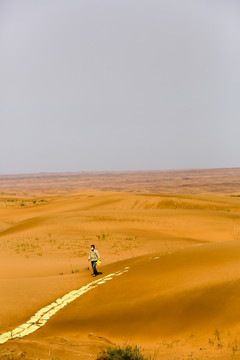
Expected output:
{"points": [[193, 289]]}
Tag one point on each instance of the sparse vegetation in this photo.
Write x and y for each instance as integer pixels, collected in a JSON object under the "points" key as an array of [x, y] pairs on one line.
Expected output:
{"points": [[104, 236], [122, 353], [168, 344], [21, 202], [13, 355], [217, 337], [234, 348], [211, 342], [86, 268], [26, 247], [75, 271]]}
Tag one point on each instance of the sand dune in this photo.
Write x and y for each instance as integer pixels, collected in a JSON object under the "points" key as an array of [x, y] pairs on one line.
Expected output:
{"points": [[162, 296], [183, 283]]}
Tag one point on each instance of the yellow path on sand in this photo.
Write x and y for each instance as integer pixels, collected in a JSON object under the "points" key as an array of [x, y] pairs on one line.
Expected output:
{"points": [[43, 315]]}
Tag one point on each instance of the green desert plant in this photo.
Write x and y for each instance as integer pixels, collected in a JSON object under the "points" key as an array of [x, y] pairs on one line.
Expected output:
{"points": [[103, 236], [234, 348], [121, 353], [86, 268], [217, 335], [211, 342]]}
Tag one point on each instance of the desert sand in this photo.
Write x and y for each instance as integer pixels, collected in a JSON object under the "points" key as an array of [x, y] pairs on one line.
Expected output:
{"points": [[179, 297]]}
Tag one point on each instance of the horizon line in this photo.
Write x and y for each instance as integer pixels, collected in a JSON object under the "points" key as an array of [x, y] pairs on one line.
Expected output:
{"points": [[112, 171]]}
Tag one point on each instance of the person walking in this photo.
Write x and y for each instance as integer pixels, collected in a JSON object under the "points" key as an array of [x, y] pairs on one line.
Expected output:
{"points": [[94, 257]]}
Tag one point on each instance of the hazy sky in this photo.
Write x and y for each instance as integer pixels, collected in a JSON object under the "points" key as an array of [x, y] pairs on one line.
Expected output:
{"points": [[119, 85]]}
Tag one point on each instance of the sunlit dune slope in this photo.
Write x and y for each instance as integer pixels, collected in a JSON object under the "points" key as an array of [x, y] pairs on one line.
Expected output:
{"points": [[193, 289], [68, 213], [46, 240], [121, 225]]}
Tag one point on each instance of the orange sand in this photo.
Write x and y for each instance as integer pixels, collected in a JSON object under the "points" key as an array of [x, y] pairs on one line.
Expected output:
{"points": [[179, 300]]}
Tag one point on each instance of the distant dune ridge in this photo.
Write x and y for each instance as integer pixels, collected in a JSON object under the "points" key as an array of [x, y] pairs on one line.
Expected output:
{"points": [[166, 182], [180, 297]]}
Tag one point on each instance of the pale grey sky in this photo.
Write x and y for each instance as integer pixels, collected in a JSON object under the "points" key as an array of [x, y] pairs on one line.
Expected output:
{"points": [[119, 85]]}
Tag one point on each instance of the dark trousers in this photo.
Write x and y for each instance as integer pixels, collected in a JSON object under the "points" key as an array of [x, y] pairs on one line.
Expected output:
{"points": [[94, 267]]}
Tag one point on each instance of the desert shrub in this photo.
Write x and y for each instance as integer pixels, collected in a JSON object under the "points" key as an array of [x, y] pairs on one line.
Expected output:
{"points": [[103, 236], [121, 353]]}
